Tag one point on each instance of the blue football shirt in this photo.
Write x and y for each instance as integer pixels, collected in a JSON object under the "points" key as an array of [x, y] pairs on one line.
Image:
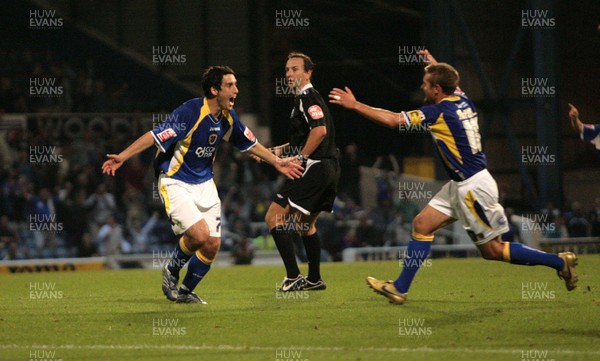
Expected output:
{"points": [[187, 140]]}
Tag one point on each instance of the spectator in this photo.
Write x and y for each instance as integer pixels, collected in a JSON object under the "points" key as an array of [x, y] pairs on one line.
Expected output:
{"points": [[349, 183], [101, 204], [86, 247], [366, 234], [577, 225], [140, 235], [110, 240], [9, 238], [594, 224], [242, 251]]}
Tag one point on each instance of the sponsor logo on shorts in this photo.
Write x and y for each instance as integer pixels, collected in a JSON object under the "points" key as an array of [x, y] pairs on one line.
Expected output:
{"points": [[316, 112], [166, 134]]}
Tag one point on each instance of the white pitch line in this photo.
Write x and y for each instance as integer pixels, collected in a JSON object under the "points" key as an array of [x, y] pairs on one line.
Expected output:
{"points": [[205, 347]]}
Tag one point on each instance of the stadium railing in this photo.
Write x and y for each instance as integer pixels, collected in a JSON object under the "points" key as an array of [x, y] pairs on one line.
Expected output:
{"points": [[579, 245], [396, 253]]}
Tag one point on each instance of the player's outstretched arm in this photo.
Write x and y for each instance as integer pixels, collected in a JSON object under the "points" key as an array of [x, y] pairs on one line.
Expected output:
{"points": [[574, 116], [429, 59], [346, 99], [289, 167], [115, 161]]}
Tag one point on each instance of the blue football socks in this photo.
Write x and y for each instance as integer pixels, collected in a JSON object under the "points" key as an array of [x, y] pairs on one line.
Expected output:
{"points": [[416, 253], [195, 272], [179, 259], [523, 255]]}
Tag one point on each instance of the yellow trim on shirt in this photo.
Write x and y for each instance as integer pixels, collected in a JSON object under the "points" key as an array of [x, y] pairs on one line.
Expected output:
{"points": [[441, 131], [185, 143]]}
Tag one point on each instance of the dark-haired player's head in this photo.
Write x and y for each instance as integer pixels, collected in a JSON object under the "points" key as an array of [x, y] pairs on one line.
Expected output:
{"points": [[213, 77], [440, 80], [298, 70], [219, 82]]}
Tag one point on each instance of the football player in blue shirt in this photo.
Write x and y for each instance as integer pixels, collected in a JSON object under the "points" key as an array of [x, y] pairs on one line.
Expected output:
{"points": [[588, 132], [471, 195], [187, 141]]}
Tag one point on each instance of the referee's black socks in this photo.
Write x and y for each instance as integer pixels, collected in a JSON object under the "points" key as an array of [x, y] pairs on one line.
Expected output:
{"points": [[284, 240], [312, 245]]}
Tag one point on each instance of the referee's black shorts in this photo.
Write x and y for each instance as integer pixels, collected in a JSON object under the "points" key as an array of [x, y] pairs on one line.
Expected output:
{"points": [[315, 191]]}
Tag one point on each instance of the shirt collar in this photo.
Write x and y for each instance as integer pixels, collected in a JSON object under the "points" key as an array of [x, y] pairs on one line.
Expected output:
{"points": [[306, 87]]}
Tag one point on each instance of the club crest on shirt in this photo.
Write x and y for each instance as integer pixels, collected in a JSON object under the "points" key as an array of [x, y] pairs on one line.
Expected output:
{"points": [[315, 112], [248, 133], [212, 139], [166, 134]]}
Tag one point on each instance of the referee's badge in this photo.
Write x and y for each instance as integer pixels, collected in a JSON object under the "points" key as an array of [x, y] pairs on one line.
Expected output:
{"points": [[212, 139]]}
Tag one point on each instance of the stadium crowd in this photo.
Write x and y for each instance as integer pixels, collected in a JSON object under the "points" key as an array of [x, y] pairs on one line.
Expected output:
{"points": [[63, 206]]}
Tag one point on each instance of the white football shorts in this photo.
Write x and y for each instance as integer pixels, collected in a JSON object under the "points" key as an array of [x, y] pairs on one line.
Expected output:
{"points": [[187, 204], [474, 202]]}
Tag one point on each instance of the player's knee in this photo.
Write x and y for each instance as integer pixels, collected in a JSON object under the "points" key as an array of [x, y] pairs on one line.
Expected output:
{"points": [[306, 229], [270, 219], [197, 236], [210, 248], [493, 251], [274, 219], [420, 225]]}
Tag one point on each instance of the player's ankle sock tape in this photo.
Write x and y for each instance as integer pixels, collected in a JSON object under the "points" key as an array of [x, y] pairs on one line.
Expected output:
{"points": [[520, 254], [179, 259], [284, 240], [195, 272], [312, 245], [414, 256]]}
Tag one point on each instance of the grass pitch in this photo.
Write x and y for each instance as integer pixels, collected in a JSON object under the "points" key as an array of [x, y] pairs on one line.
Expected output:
{"points": [[458, 309]]}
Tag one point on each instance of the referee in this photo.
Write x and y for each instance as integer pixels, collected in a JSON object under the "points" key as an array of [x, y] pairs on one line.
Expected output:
{"points": [[297, 203]]}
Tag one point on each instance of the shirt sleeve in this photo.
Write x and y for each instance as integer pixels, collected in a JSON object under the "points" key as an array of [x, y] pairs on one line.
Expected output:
{"points": [[240, 135], [428, 114], [173, 129], [590, 132], [315, 116]]}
